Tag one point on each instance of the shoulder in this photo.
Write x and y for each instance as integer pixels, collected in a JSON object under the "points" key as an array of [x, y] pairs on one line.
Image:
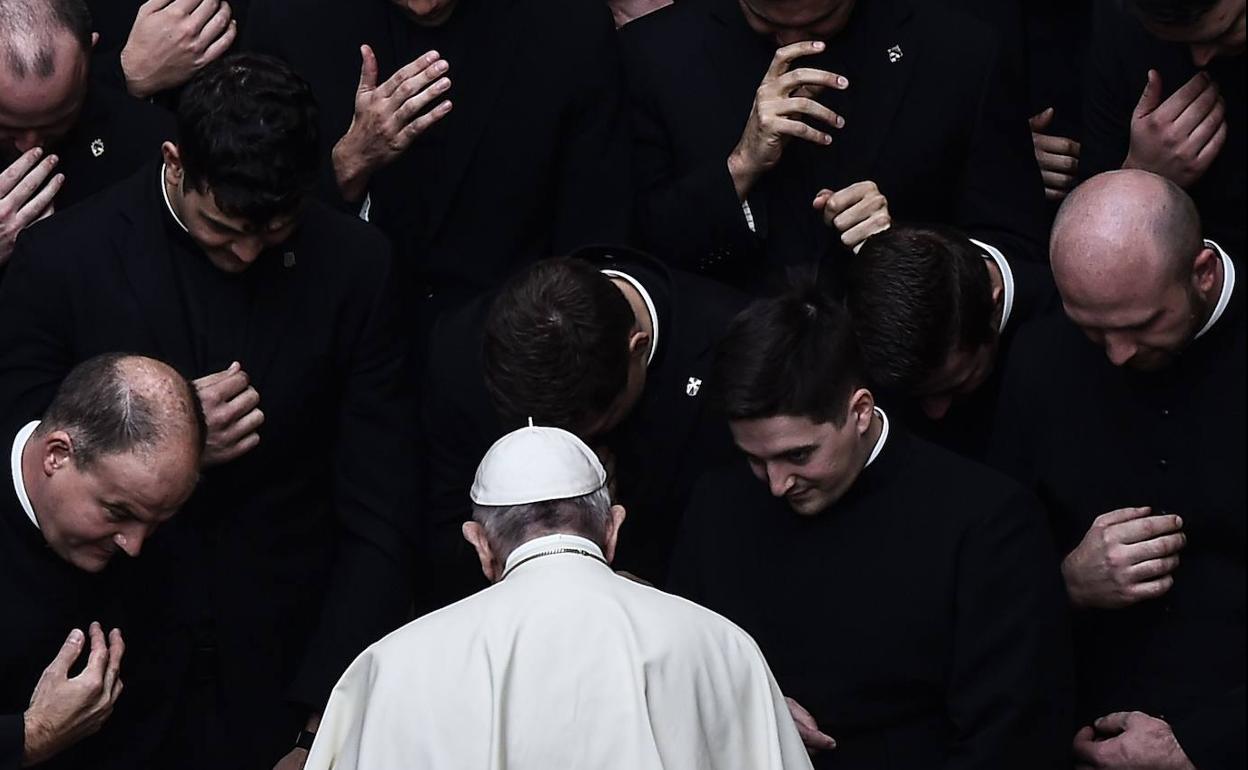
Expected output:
{"points": [[456, 341], [345, 242], [962, 490], [713, 301], [722, 493]]}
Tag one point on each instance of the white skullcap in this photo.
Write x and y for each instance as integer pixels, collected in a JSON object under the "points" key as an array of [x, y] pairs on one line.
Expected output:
{"points": [[535, 464]]}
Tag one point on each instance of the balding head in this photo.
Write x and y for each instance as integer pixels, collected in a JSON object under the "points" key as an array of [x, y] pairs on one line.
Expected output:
{"points": [[30, 31], [1129, 262]]}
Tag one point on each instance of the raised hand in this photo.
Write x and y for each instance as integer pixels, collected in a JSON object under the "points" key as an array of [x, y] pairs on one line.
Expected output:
{"points": [[781, 104], [232, 411], [171, 40], [1057, 156], [857, 212], [388, 117], [64, 710], [1127, 556], [24, 196], [1178, 138]]}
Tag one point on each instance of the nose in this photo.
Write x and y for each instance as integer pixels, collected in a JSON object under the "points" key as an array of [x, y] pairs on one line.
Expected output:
{"points": [[247, 250], [1203, 53], [936, 407], [779, 481], [1119, 350], [130, 541]]}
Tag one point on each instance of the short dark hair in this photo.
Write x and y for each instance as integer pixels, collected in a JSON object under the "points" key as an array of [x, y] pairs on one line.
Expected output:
{"points": [[556, 345], [917, 293], [103, 413], [1179, 13], [793, 354], [26, 32], [247, 131]]}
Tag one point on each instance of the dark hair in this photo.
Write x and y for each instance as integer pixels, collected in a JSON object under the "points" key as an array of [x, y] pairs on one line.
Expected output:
{"points": [[556, 345], [246, 129], [794, 354], [35, 21], [104, 411], [1179, 13], [916, 294]]}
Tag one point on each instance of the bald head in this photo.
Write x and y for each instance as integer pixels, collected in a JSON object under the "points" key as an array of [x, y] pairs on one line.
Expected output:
{"points": [[31, 29], [124, 403]]}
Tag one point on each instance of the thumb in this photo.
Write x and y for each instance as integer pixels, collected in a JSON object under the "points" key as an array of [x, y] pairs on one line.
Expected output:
{"points": [[1150, 98], [68, 653], [1042, 119], [368, 69]]}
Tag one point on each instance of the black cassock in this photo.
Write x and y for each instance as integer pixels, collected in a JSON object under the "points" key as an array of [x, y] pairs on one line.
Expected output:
{"points": [[920, 619], [289, 560], [1092, 438]]}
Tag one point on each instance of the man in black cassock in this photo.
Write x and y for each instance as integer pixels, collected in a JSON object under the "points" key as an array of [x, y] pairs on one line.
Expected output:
{"points": [[905, 597], [116, 454], [294, 553], [62, 139], [743, 111], [480, 135], [1126, 414], [1165, 93], [625, 369]]}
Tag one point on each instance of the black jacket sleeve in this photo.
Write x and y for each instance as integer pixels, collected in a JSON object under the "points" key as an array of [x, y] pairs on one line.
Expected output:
{"points": [[1214, 737], [12, 741]]}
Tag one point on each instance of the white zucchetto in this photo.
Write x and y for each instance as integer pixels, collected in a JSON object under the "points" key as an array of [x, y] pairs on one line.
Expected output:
{"points": [[535, 464]]}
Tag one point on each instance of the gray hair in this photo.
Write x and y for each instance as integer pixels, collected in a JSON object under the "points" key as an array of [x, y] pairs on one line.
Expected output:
{"points": [[28, 30], [508, 526]]}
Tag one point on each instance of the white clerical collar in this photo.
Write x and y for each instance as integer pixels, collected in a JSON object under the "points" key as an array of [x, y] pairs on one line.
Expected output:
{"points": [[549, 545], [1007, 278], [645, 297], [164, 193], [1228, 285], [15, 463], [879, 442]]}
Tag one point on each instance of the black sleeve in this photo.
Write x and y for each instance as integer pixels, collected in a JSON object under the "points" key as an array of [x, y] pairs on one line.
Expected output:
{"points": [[1015, 445], [684, 573], [1214, 737], [375, 488], [1000, 197], [12, 741], [1010, 691], [1110, 93]]}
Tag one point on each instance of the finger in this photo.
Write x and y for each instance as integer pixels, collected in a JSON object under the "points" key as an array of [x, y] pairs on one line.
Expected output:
{"points": [[1061, 164], [859, 212], [1205, 131], [1058, 145], [1157, 548], [1152, 569], [1112, 724], [222, 44], [1122, 514], [1147, 528], [18, 170], [216, 26], [408, 71], [368, 70], [811, 108], [415, 105], [1191, 117], [807, 77], [230, 386], [1152, 589], [116, 648], [1178, 101], [30, 184], [68, 653], [1211, 150], [97, 660], [785, 55], [209, 379], [821, 198], [182, 7], [815, 739], [1042, 119], [238, 448], [420, 124], [1150, 97], [1081, 746], [240, 405], [241, 428], [203, 13], [41, 205], [1056, 181], [798, 129], [844, 198], [1054, 193]]}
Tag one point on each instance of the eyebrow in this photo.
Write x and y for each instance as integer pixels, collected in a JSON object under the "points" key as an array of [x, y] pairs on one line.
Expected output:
{"points": [[782, 453]]}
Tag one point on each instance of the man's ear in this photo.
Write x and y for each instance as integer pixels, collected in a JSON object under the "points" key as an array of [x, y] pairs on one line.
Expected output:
{"points": [[474, 533], [1205, 271], [638, 343], [95, 38], [613, 532], [58, 452], [173, 160], [861, 410]]}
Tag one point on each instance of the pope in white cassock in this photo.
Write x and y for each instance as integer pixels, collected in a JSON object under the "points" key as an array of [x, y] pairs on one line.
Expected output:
{"points": [[561, 664]]}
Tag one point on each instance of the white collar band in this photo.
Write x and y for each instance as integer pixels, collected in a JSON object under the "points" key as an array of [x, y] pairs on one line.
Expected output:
{"points": [[15, 464], [645, 297], [1228, 286]]}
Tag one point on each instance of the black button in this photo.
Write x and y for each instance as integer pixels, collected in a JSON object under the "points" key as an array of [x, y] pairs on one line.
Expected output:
{"points": [[1165, 412], [1162, 464]]}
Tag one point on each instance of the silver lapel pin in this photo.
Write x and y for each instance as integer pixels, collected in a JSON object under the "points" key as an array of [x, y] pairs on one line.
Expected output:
{"points": [[894, 54], [693, 386], [97, 147]]}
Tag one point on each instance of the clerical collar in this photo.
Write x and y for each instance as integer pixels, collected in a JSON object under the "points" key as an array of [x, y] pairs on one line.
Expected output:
{"points": [[879, 442], [1007, 278], [164, 193], [1228, 286], [645, 297], [15, 464], [550, 545]]}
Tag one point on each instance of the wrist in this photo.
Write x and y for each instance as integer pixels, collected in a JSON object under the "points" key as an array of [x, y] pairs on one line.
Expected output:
{"points": [[743, 176], [351, 171], [135, 86], [35, 740], [1074, 593]]}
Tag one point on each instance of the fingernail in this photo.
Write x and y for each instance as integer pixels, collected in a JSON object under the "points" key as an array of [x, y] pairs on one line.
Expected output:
{"points": [[75, 636], [1178, 521], [818, 46], [840, 122], [842, 82], [38, 151]]}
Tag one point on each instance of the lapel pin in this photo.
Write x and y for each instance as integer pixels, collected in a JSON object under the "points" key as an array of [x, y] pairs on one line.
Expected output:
{"points": [[894, 54], [97, 148], [693, 386], [288, 259]]}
